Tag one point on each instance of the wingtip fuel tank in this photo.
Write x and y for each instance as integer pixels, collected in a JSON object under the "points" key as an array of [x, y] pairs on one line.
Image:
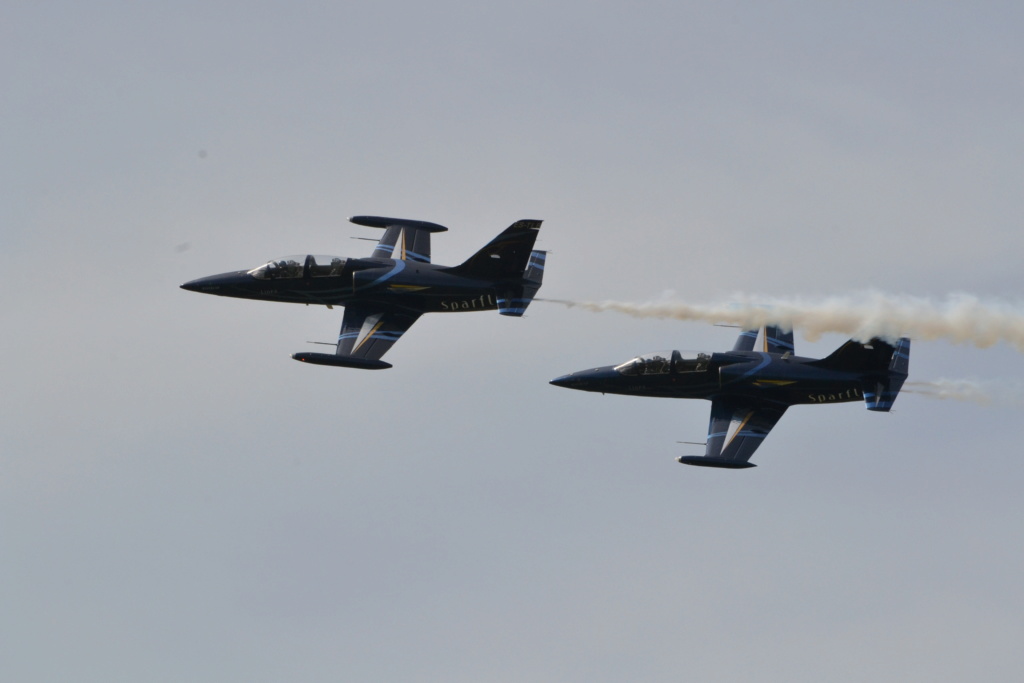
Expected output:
{"points": [[341, 361]]}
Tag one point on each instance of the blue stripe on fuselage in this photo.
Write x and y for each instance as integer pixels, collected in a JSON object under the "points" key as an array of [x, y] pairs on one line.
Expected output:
{"points": [[765, 360], [395, 270], [416, 257]]}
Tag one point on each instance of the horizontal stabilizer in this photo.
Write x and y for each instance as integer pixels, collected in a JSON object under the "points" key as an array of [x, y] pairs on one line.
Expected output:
{"points": [[880, 394], [535, 267], [703, 461], [341, 361], [514, 302], [900, 363], [515, 299]]}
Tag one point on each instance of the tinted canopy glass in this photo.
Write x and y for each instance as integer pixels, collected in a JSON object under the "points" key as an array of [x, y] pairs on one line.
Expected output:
{"points": [[326, 266], [295, 267], [665, 362], [280, 269]]}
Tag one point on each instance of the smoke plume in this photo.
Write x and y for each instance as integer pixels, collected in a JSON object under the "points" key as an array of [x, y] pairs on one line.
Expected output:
{"points": [[973, 391], [960, 318]]}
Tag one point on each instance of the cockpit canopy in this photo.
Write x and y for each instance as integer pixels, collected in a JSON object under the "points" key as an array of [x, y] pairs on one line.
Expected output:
{"points": [[299, 266], [664, 362]]}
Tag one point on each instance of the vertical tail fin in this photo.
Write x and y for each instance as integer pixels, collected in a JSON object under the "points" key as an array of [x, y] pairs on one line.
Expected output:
{"points": [[504, 257]]}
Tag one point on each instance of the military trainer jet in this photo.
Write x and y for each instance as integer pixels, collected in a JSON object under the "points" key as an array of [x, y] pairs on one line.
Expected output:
{"points": [[750, 390], [385, 294]]}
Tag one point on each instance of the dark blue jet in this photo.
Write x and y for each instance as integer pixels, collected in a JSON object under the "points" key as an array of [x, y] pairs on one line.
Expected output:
{"points": [[385, 294], [750, 390]]}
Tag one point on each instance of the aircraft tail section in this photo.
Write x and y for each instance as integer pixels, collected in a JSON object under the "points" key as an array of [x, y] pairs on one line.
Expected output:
{"points": [[854, 356], [535, 267], [514, 300], [884, 366], [505, 257], [880, 394]]}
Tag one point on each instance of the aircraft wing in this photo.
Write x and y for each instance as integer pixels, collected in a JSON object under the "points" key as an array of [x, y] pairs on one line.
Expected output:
{"points": [[774, 340], [735, 431], [403, 238], [365, 336], [777, 340], [746, 340], [369, 334]]}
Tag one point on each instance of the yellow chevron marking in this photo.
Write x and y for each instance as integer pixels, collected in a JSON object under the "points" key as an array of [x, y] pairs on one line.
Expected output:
{"points": [[739, 429], [368, 336]]}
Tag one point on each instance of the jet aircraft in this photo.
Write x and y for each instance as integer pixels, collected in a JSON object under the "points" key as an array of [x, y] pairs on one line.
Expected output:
{"points": [[750, 390], [387, 292]]}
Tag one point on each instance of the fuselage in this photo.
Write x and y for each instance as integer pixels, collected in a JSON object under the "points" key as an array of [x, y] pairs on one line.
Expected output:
{"points": [[780, 378], [383, 283]]}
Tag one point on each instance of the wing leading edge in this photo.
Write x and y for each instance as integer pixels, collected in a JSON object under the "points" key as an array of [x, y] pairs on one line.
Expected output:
{"points": [[734, 433]]}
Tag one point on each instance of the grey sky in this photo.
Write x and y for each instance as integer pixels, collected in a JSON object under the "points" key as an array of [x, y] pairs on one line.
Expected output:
{"points": [[179, 501]]}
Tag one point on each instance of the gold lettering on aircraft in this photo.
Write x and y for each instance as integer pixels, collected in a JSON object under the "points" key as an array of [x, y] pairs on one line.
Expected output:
{"points": [[848, 395], [480, 302]]}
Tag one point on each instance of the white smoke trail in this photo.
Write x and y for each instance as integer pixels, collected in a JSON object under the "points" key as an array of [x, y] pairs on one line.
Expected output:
{"points": [[961, 318], [981, 392]]}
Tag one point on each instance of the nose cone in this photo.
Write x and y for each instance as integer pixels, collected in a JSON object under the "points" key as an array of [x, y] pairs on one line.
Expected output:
{"points": [[598, 379], [223, 284]]}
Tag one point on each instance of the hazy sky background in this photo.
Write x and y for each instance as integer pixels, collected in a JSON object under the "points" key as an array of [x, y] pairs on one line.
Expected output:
{"points": [[180, 501]]}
